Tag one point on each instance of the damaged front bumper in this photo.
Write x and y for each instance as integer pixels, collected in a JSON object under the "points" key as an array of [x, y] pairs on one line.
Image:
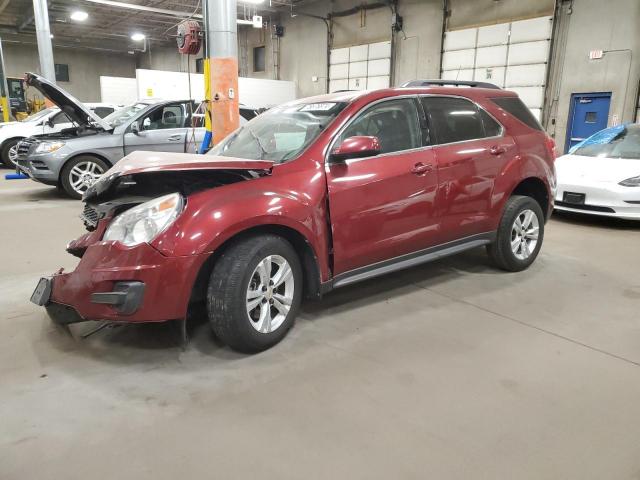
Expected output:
{"points": [[121, 284]]}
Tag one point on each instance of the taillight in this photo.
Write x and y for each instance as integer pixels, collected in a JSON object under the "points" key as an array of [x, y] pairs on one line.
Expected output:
{"points": [[551, 147]]}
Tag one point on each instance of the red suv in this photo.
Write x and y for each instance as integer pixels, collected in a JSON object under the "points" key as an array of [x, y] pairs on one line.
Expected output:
{"points": [[313, 195]]}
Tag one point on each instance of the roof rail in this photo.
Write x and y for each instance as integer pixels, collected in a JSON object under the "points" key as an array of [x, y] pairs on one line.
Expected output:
{"points": [[456, 83]]}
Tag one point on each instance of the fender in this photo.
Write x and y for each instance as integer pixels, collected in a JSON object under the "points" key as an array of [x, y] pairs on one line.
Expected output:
{"points": [[213, 217]]}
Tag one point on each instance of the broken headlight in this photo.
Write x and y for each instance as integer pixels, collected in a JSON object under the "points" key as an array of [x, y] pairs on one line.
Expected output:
{"points": [[146, 221]]}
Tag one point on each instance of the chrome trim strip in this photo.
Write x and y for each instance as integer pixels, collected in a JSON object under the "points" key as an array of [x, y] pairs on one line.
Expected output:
{"points": [[412, 259]]}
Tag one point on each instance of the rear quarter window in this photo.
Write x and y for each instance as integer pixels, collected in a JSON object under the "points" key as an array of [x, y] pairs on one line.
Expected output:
{"points": [[518, 109]]}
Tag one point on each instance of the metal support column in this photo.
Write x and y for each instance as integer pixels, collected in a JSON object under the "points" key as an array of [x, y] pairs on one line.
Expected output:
{"points": [[221, 66], [4, 89], [43, 36]]}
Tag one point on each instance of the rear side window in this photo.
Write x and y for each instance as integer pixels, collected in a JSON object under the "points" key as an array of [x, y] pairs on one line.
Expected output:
{"points": [[457, 119], [103, 111], [518, 109]]}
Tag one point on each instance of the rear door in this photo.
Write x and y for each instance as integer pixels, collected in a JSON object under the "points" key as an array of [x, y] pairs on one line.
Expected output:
{"points": [[383, 206], [471, 151], [163, 129]]}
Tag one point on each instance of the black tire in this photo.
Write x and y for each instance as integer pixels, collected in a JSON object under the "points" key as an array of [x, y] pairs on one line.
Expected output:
{"points": [[65, 173], [4, 151], [500, 251], [227, 292]]}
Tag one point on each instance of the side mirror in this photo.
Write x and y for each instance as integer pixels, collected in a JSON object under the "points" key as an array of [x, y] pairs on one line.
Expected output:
{"points": [[356, 147], [50, 122], [135, 128]]}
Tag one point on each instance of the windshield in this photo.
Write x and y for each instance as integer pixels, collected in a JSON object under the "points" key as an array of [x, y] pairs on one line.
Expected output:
{"points": [[39, 115], [625, 144], [279, 134], [121, 116]]}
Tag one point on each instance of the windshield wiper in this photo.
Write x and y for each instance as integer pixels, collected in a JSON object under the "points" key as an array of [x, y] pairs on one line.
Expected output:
{"points": [[263, 151]]}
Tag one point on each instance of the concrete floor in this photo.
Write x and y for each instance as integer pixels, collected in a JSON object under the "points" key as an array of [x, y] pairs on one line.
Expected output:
{"points": [[448, 371]]}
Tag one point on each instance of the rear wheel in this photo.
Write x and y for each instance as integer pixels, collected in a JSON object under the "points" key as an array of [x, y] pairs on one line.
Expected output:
{"points": [[519, 236], [9, 152], [254, 293], [80, 173]]}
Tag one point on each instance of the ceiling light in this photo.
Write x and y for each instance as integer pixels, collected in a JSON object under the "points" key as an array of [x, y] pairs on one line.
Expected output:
{"points": [[255, 2], [79, 16], [137, 37]]}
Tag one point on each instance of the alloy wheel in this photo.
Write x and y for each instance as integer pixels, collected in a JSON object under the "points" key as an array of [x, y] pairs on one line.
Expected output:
{"points": [[524, 234], [270, 293], [83, 175], [13, 154]]}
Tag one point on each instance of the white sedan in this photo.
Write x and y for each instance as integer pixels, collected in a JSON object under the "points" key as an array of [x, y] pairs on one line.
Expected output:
{"points": [[602, 176]]}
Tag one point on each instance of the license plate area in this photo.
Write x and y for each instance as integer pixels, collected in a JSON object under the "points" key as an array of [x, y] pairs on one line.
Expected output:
{"points": [[574, 198], [42, 293]]}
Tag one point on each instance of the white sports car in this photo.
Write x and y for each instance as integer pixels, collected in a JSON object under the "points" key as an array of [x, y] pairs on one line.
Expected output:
{"points": [[601, 176]]}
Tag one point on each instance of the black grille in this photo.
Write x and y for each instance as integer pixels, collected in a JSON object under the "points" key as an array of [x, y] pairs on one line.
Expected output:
{"points": [[591, 208], [24, 146], [90, 217]]}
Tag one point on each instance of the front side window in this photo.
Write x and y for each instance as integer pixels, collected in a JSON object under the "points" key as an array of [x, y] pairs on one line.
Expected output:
{"points": [[624, 143], [458, 119], [281, 133], [394, 122], [168, 116]]}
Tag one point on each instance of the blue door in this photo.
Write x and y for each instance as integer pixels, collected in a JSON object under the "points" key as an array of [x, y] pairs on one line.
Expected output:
{"points": [[588, 114]]}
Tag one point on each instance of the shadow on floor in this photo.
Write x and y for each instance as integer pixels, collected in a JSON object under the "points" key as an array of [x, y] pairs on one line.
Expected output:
{"points": [[596, 221], [151, 343]]}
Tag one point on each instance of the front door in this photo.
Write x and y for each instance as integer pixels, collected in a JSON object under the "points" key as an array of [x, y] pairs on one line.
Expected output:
{"points": [[163, 130], [589, 113], [383, 206], [471, 151]]}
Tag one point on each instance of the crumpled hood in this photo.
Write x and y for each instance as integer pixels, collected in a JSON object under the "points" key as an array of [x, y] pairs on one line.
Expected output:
{"points": [[577, 169], [74, 108], [146, 162]]}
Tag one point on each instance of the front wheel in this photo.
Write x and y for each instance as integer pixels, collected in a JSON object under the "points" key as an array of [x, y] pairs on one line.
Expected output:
{"points": [[519, 235], [9, 152], [80, 173], [254, 293]]}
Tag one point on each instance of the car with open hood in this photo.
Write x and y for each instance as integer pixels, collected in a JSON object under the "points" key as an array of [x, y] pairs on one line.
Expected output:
{"points": [[46, 121], [74, 158], [312, 195]]}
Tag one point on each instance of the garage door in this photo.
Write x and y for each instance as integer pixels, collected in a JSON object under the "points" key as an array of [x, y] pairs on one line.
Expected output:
{"points": [[512, 55], [361, 67]]}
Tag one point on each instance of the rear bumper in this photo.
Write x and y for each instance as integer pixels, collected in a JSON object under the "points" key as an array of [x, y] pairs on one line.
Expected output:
{"points": [[124, 284]]}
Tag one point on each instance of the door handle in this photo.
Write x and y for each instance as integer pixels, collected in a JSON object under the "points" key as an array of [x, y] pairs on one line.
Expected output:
{"points": [[421, 168], [497, 150], [175, 138]]}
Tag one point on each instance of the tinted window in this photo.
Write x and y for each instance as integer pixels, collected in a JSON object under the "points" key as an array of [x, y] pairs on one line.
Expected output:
{"points": [[103, 111], [248, 113], [457, 119], [394, 122], [515, 107], [624, 145], [491, 127]]}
